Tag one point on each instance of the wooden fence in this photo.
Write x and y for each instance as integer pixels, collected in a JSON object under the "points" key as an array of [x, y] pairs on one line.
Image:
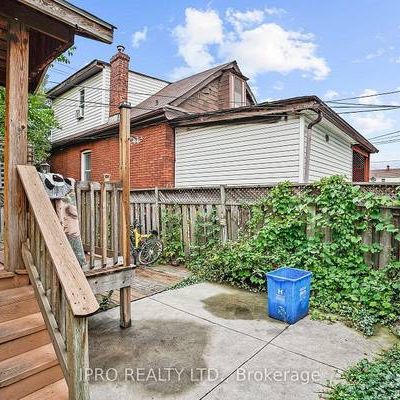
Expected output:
{"points": [[99, 212], [232, 208]]}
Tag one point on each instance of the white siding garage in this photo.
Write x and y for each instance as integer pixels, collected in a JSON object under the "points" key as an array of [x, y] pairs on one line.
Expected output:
{"points": [[331, 154], [238, 154]]}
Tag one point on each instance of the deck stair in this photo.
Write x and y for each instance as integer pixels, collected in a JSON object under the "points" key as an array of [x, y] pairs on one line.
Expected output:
{"points": [[29, 368]]}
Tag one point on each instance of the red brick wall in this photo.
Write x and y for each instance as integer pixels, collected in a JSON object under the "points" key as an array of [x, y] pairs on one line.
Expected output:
{"points": [[152, 161], [118, 80]]}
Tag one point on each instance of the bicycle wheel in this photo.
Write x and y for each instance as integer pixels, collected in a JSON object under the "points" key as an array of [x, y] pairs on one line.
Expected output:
{"points": [[150, 251]]}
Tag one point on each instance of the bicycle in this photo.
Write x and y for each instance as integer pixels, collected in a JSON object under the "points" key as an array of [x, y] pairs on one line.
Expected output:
{"points": [[145, 248]]}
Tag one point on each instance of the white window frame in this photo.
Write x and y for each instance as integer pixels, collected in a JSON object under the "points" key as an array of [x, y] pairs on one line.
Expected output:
{"points": [[242, 103], [83, 167]]}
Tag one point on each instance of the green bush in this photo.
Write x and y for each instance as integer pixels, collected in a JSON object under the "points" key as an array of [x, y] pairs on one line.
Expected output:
{"points": [[371, 380], [284, 230]]}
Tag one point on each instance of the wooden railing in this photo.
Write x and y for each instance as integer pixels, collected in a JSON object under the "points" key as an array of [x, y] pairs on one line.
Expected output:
{"points": [[99, 210], [64, 295]]}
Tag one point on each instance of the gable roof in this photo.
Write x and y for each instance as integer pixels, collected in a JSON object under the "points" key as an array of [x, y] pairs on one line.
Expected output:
{"points": [[177, 92]]}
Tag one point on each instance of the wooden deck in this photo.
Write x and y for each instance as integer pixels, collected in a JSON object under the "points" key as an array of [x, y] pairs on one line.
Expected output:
{"points": [[151, 280]]}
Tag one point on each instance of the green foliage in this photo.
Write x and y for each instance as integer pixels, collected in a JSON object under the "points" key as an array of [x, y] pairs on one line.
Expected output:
{"points": [[41, 121], [172, 236], [207, 232], [284, 230], [371, 380], [191, 280], [105, 301]]}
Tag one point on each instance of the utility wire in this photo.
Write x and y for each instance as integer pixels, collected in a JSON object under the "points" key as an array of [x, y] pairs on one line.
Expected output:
{"points": [[384, 135]]}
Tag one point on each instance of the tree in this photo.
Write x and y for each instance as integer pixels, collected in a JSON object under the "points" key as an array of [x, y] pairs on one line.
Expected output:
{"points": [[41, 119]]}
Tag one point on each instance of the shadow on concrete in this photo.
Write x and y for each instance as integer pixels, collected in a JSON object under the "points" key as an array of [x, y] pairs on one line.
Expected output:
{"points": [[163, 357]]}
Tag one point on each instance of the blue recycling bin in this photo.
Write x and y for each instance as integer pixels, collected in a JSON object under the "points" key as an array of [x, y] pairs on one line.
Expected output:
{"points": [[288, 293]]}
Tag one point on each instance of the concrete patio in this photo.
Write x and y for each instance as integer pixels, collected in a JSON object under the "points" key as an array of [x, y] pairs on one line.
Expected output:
{"points": [[211, 342]]}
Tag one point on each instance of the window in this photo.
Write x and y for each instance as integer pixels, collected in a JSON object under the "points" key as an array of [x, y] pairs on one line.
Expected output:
{"points": [[360, 167], [86, 165], [238, 92]]}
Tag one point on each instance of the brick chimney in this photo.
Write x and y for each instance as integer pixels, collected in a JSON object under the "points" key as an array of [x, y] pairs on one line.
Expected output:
{"points": [[118, 79]]}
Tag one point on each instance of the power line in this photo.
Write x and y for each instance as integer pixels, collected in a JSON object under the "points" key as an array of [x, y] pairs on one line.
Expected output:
{"points": [[366, 96], [384, 135]]}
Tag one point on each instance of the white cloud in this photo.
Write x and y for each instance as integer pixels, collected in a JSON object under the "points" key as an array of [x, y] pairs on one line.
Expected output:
{"points": [[279, 85], [330, 95], [241, 20], [375, 121], [378, 53], [201, 30], [270, 48], [368, 97], [274, 11], [258, 46], [139, 37]]}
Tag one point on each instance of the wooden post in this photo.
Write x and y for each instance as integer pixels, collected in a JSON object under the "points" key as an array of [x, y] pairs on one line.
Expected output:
{"points": [[124, 165], [77, 356], [367, 240], [224, 230], [104, 225], [16, 144], [311, 225], [386, 240], [157, 209]]}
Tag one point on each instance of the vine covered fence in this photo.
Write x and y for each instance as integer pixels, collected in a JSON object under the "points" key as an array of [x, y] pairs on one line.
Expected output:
{"points": [[230, 207]]}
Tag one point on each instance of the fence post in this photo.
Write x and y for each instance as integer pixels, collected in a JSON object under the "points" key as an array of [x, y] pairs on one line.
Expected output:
{"points": [[103, 218], [385, 240], [156, 209], [367, 240], [222, 219], [311, 225]]}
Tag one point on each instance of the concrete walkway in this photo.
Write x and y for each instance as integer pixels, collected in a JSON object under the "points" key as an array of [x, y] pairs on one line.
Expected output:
{"points": [[211, 342]]}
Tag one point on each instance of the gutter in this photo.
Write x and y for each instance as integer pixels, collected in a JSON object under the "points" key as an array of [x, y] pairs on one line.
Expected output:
{"points": [[308, 143]]}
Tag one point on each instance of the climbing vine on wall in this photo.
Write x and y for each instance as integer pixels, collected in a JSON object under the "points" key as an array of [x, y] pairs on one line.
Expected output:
{"points": [[319, 229]]}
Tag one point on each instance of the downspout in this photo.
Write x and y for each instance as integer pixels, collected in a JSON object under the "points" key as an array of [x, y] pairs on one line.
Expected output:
{"points": [[308, 144]]}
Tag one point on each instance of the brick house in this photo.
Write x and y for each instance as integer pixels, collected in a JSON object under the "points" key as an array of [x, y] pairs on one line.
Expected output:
{"points": [[206, 129]]}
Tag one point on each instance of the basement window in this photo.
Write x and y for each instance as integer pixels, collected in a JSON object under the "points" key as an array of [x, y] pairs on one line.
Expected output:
{"points": [[86, 165]]}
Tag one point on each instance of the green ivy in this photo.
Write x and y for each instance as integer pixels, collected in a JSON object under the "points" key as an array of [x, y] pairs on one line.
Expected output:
{"points": [[371, 380], [284, 230], [173, 251], [207, 232]]}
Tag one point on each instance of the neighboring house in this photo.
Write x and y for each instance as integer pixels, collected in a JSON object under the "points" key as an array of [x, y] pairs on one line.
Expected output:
{"points": [[386, 175], [203, 130]]}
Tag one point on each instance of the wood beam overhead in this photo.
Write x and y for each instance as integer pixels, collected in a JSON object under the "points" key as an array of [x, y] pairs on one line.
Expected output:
{"points": [[52, 25], [84, 23], [35, 20]]}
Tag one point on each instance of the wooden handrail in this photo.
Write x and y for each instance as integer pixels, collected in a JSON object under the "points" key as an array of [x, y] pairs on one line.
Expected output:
{"points": [[72, 279]]}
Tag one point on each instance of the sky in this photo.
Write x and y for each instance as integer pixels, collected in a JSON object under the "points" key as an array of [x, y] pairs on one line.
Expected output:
{"points": [[332, 49]]}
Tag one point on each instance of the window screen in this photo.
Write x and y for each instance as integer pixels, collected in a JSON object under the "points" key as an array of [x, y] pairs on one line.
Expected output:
{"points": [[359, 167]]}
